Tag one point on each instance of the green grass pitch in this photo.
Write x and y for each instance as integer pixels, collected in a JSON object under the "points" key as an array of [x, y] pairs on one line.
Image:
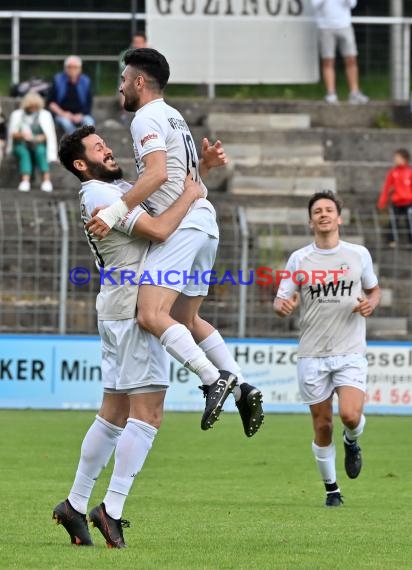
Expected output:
{"points": [[211, 500]]}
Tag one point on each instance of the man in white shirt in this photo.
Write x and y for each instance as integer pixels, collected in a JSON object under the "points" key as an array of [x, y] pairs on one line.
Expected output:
{"points": [[165, 154], [338, 288], [333, 18], [135, 367]]}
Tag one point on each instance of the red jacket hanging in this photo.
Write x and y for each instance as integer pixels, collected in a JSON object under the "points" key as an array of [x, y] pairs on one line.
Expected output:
{"points": [[397, 188]]}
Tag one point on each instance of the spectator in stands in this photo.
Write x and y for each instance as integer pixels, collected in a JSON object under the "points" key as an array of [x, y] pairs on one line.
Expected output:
{"points": [[333, 18], [70, 98], [32, 139], [3, 133], [397, 193], [139, 40]]}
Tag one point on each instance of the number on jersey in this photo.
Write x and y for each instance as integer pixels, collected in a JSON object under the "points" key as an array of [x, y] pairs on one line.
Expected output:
{"points": [[191, 157]]}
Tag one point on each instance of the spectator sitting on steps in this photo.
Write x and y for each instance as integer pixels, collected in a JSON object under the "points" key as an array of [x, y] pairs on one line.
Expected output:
{"points": [[397, 193], [32, 139], [333, 18], [70, 97]]}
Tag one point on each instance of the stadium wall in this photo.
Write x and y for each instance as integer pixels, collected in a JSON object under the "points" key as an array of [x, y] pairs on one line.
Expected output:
{"points": [[63, 372]]}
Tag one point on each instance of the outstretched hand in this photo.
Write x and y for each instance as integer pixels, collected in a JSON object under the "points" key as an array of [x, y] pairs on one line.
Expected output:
{"points": [[213, 155]]}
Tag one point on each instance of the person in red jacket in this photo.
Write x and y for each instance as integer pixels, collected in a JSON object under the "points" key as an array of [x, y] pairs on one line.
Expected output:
{"points": [[397, 193]]}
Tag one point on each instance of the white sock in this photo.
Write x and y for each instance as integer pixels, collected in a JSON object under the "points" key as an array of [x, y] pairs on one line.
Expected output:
{"points": [[218, 353], [131, 452], [325, 458], [96, 451], [178, 342], [353, 434]]}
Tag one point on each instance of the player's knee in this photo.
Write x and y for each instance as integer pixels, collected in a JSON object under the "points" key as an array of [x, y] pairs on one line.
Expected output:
{"points": [[350, 418], [156, 418], [145, 319], [151, 416], [323, 428]]}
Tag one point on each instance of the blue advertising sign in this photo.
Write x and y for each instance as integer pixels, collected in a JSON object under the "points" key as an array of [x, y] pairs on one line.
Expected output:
{"points": [[63, 372]]}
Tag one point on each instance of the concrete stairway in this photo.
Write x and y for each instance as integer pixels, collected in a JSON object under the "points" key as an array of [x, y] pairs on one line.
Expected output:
{"points": [[281, 152]]}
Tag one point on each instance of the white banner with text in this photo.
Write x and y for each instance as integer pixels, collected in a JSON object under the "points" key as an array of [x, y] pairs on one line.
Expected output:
{"points": [[235, 41]]}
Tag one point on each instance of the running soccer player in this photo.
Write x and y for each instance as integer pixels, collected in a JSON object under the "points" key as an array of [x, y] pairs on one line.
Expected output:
{"points": [[135, 367], [165, 153], [331, 352]]}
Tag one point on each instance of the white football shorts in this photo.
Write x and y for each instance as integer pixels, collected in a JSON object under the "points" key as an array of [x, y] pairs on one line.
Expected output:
{"points": [[318, 377], [133, 361], [183, 262]]}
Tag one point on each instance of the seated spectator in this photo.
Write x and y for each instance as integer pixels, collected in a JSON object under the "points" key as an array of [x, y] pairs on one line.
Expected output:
{"points": [[70, 97], [3, 133], [333, 18], [32, 139], [397, 193]]}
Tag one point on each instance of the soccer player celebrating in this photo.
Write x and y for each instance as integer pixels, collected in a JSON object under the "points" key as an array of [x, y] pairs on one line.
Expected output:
{"points": [[135, 367], [165, 153], [331, 352]]}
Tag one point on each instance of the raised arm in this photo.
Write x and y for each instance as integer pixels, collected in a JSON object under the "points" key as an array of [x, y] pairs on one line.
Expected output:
{"points": [[213, 156], [154, 175], [159, 228]]}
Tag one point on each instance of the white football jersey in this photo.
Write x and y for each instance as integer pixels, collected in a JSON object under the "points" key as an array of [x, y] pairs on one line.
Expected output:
{"points": [[157, 126], [119, 249], [328, 325]]}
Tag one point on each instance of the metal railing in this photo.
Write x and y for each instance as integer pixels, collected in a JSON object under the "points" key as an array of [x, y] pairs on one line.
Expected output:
{"points": [[40, 241], [400, 42]]}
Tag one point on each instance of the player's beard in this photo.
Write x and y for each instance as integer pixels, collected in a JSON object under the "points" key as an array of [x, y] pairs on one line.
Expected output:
{"points": [[98, 171], [131, 102]]}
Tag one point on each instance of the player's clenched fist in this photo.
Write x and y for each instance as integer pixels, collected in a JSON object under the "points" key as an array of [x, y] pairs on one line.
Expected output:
{"points": [[97, 227], [364, 307], [285, 307]]}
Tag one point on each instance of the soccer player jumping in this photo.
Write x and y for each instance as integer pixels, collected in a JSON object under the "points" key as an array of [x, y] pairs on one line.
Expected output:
{"points": [[331, 352], [165, 154]]}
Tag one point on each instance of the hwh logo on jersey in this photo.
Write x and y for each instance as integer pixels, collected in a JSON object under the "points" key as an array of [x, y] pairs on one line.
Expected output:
{"points": [[335, 289]]}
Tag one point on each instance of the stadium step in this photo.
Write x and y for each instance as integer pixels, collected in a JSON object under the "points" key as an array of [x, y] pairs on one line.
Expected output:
{"points": [[386, 298], [247, 122], [277, 186], [387, 327], [257, 154], [357, 145]]}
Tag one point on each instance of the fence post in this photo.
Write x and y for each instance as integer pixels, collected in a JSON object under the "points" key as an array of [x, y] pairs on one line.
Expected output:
{"points": [[406, 76], [244, 263], [64, 266], [396, 11], [15, 49]]}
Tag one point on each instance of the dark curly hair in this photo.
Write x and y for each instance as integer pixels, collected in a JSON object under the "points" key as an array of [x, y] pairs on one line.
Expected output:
{"points": [[71, 148]]}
